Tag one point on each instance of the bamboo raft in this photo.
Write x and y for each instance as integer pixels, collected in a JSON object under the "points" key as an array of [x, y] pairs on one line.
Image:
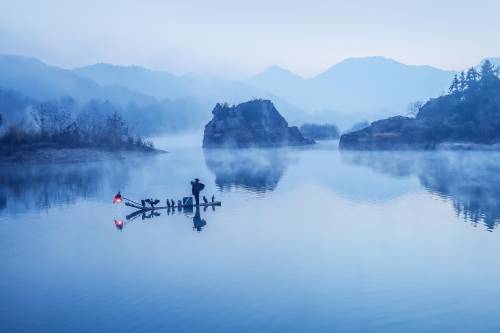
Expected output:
{"points": [[146, 208]]}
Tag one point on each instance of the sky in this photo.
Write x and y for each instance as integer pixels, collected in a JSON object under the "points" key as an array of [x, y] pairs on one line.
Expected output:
{"points": [[236, 38]]}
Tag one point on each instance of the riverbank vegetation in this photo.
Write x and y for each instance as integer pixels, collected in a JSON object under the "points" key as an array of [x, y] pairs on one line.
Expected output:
{"points": [[60, 125]]}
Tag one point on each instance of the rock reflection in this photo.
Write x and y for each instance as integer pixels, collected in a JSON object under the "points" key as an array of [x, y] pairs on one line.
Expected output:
{"points": [[255, 170], [470, 179]]}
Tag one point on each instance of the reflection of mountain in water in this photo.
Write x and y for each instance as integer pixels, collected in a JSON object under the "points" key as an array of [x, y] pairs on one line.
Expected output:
{"points": [[471, 180], [36, 187], [256, 170]]}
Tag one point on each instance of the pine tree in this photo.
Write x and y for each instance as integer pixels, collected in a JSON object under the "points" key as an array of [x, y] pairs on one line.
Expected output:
{"points": [[487, 69], [462, 81], [471, 78], [454, 85], [488, 73]]}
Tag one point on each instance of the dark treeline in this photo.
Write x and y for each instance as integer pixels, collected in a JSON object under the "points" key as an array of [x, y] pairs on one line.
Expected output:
{"points": [[471, 109], [65, 123], [320, 131], [472, 80]]}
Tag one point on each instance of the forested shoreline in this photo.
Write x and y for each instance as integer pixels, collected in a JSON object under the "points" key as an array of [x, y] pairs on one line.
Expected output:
{"points": [[66, 124]]}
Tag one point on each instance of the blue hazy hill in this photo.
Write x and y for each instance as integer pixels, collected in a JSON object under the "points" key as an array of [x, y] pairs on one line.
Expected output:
{"points": [[31, 77], [367, 87], [164, 85], [158, 84]]}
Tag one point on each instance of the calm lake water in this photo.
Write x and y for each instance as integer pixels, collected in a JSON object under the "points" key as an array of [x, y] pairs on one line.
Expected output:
{"points": [[306, 240]]}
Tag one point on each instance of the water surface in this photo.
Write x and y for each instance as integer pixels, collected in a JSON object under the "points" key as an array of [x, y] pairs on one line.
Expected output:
{"points": [[306, 240]]}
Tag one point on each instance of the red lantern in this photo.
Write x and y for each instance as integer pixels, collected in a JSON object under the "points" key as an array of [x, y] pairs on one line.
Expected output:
{"points": [[118, 198], [119, 224]]}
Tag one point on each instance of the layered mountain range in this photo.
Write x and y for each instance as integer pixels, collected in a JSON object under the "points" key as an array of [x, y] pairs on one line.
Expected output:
{"points": [[353, 90]]}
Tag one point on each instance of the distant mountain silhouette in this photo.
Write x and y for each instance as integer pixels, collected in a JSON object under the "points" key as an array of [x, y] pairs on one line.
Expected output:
{"points": [[280, 81], [120, 84], [164, 85], [350, 91], [158, 84], [362, 87], [33, 78]]}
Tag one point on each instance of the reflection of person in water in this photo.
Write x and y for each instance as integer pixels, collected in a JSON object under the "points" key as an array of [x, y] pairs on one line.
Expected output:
{"points": [[196, 188], [198, 222]]}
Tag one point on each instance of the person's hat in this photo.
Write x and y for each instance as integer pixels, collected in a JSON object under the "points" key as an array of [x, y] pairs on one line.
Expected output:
{"points": [[196, 179]]}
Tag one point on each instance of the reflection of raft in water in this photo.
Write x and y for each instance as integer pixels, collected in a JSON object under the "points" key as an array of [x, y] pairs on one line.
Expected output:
{"points": [[148, 209]]}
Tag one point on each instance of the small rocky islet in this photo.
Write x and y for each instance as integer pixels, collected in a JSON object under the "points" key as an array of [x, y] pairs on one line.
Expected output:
{"points": [[255, 123]]}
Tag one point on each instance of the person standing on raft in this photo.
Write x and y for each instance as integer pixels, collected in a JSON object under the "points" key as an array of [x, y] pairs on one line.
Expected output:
{"points": [[196, 188]]}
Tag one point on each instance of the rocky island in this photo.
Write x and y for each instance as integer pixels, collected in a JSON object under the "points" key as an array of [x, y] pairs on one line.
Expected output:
{"points": [[468, 116], [320, 131], [256, 123]]}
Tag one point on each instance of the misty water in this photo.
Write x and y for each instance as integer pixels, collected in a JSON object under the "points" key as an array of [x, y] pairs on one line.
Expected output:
{"points": [[306, 240]]}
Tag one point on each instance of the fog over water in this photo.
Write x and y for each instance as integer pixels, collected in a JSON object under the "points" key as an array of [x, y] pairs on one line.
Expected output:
{"points": [[306, 240]]}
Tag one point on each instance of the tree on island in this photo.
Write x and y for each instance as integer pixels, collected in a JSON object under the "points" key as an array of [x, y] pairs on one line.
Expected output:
{"points": [[462, 82], [455, 85], [488, 73], [487, 76], [471, 78]]}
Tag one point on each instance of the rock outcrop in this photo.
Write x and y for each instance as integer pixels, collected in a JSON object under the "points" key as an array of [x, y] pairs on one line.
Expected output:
{"points": [[320, 131], [393, 133], [468, 115], [255, 123]]}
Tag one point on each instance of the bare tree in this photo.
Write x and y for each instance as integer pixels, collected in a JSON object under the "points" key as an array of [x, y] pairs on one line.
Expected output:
{"points": [[116, 130], [51, 118], [414, 108]]}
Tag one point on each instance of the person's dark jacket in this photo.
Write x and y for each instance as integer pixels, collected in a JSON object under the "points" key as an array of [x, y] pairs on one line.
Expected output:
{"points": [[196, 187]]}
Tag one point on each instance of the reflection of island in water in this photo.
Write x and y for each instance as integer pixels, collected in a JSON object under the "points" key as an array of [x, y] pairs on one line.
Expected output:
{"points": [[38, 187], [470, 179], [255, 170]]}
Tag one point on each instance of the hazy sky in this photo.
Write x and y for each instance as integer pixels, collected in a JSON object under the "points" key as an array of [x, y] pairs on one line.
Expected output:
{"points": [[235, 38]]}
